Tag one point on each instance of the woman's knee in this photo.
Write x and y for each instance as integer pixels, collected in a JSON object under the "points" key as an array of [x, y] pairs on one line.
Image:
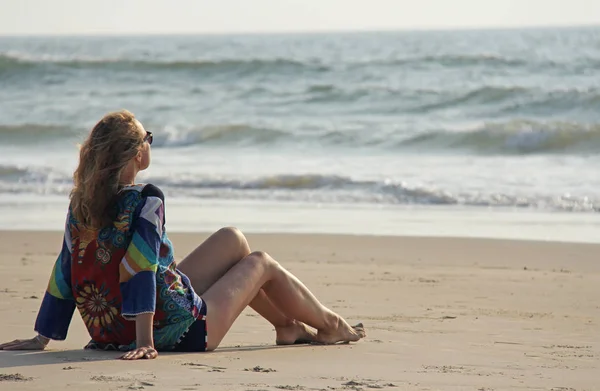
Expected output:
{"points": [[261, 259], [234, 236]]}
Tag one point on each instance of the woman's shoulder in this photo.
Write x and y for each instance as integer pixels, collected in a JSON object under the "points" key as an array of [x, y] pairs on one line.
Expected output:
{"points": [[145, 190], [150, 190]]}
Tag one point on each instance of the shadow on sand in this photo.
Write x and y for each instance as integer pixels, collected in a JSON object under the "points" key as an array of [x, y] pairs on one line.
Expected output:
{"points": [[11, 359]]}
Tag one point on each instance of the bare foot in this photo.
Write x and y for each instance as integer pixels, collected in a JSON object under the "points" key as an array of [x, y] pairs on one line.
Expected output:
{"points": [[296, 333], [343, 332]]}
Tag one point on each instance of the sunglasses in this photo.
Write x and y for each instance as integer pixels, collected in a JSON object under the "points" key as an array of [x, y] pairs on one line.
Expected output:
{"points": [[149, 138]]}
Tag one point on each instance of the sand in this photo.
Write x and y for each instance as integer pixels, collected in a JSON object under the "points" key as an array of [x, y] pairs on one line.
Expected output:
{"points": [[441, 313]]}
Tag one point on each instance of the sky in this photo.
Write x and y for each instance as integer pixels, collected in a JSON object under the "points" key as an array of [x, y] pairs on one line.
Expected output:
{"points": [[34, 17]]}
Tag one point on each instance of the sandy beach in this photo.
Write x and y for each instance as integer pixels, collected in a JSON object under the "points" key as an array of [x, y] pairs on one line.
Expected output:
{"points": [[441, 313]]}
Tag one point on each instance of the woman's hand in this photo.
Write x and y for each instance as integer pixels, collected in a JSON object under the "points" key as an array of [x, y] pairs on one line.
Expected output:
{"points": [[144, 352], [144, 332], [36, 343]]}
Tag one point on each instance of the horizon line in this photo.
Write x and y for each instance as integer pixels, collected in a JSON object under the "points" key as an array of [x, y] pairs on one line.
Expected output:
{"points": [[306, 32]]}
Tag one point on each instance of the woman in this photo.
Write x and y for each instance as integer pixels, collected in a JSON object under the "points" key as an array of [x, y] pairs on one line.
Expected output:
{"points": [[117, 267]]}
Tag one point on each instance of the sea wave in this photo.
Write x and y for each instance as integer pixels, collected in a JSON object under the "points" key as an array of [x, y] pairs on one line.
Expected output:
{"points": [[15, 61], [494, 99], [343, 189], [514, 137], [10, 171], [483, 95], [237, 134], [32, 180], [308, 188], [33, 133], [320, 188], [453, 60]]}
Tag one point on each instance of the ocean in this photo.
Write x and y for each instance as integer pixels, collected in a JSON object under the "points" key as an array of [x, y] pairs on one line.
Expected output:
{"points": [[442, 132]]}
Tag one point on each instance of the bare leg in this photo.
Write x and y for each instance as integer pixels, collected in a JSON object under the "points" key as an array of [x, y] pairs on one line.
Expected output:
{"points": [[228, 297], [214, 257]]}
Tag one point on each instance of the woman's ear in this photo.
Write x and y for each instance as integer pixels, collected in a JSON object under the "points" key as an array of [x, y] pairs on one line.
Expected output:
{"points": [[138, 157]]}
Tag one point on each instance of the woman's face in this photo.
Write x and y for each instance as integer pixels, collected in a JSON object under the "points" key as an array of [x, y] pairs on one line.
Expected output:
{"points": [[143, 156]]}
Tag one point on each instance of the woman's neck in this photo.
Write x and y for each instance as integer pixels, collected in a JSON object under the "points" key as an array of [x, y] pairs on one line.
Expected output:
{"points": [[127, 177]]}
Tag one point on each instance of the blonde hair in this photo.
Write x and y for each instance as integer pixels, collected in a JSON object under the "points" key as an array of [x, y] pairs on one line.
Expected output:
{"points": [[110, 146]]}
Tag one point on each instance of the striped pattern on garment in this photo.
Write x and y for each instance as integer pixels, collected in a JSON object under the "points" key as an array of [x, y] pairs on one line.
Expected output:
{"points": [[59, 283], [143, 251]]}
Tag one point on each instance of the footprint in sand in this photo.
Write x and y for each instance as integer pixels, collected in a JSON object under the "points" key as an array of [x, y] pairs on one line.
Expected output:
{"points": [[14, 377], [260, 369]]}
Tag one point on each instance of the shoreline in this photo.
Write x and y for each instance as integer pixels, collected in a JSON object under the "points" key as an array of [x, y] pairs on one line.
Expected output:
{"points": [[254, 217], [266, 235]]}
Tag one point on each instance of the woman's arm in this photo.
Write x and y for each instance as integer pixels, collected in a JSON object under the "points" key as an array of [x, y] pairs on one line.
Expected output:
{"points": [[144, 339], [138, 274]]}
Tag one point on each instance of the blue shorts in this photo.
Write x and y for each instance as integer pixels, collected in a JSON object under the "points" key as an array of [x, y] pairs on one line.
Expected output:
{"points": [[196, 338]]}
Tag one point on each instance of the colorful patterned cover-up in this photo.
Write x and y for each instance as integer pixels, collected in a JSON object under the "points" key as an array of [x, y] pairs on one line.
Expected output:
{"points": [[115, 273]]}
